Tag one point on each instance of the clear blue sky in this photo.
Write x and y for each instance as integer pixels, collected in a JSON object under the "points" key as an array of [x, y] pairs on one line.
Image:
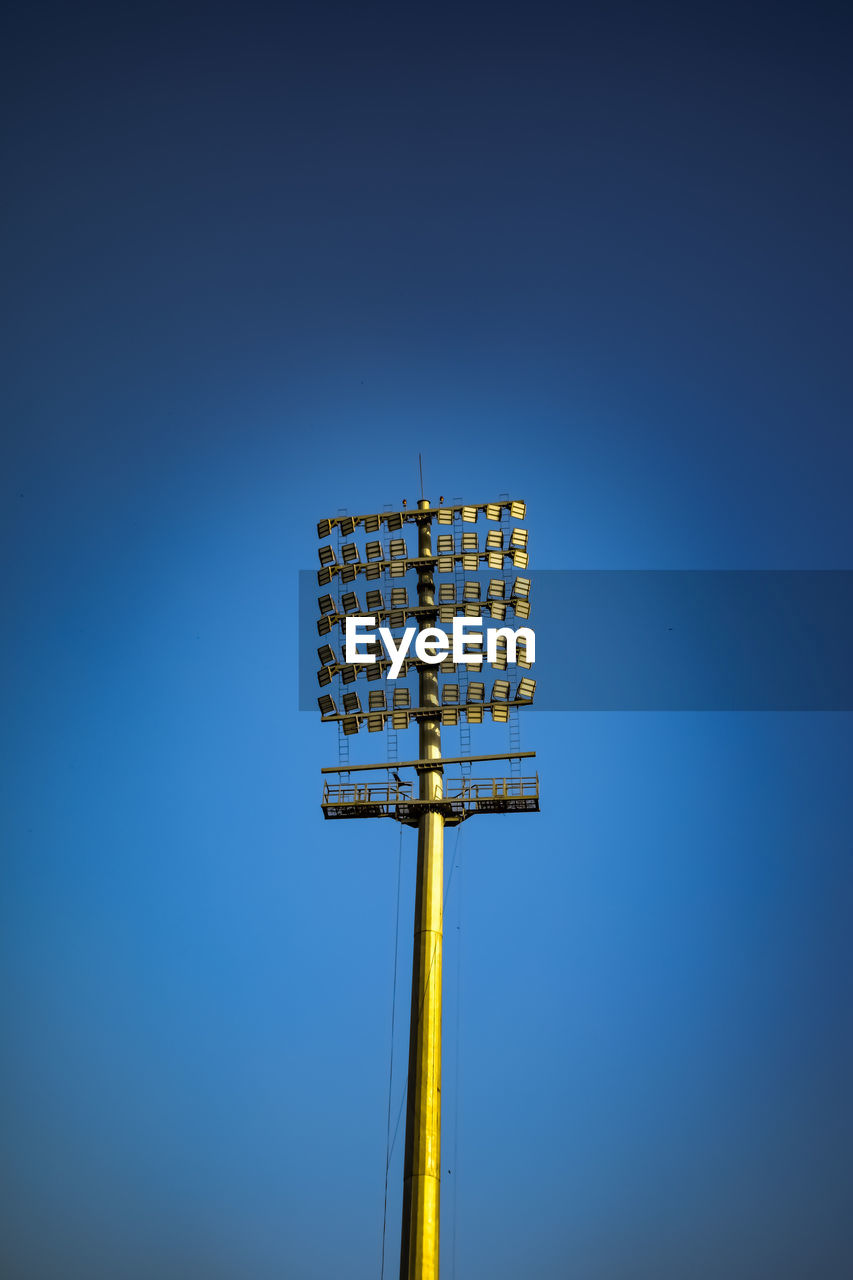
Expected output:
{"points": [[254, 258]]}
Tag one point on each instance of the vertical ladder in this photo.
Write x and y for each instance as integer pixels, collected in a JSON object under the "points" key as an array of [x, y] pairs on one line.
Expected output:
{"points": [[513, 725], [385, 538], [462, 669]]}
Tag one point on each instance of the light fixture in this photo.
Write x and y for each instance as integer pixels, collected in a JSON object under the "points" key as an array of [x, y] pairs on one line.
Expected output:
{"points": [[327, 655], [526, 688]]}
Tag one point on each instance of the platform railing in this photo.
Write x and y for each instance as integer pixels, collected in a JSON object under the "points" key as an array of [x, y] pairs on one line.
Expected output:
{"points": [[456, 789]]}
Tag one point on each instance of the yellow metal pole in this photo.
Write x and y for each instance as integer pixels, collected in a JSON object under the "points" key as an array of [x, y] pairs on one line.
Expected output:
{"points": [[422, 1167]]}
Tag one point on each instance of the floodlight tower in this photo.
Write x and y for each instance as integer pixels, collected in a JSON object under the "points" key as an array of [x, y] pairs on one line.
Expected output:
{"points": [[436, 805]]}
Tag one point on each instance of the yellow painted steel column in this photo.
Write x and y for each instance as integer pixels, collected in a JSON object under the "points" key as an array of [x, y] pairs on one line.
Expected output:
{"points": [[422, 1168]]}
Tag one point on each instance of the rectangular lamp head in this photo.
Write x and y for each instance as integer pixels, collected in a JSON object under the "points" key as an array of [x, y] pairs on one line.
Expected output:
{"points": [[526, 688]]}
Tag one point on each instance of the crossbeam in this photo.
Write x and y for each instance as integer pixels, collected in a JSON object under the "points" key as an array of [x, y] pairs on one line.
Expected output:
{"points": [[419, 764]]}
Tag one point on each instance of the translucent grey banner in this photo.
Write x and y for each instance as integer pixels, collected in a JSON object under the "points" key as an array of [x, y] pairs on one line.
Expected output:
{"points": [[666, 640]]}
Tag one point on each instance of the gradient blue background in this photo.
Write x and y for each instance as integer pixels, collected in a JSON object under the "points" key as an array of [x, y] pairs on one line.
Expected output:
{"points": [[254, 258]]}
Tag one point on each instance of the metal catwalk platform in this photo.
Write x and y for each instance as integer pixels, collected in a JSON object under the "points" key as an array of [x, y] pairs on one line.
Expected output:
{"points": [[463, 797]]}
